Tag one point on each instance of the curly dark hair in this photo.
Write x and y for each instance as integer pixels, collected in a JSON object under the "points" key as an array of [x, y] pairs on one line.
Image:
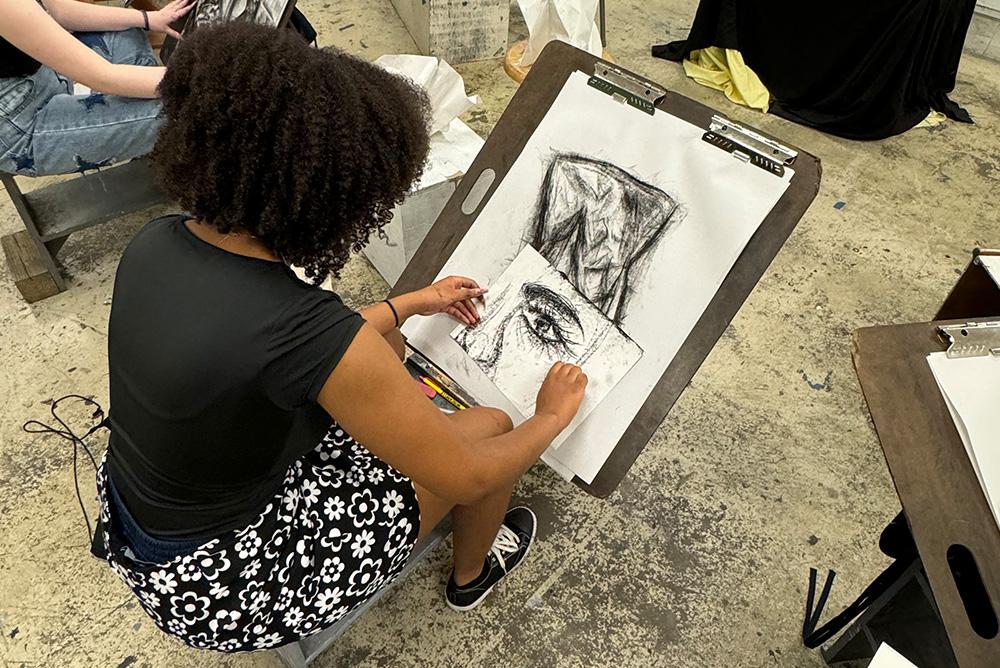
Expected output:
{"points": [[307, 149]]}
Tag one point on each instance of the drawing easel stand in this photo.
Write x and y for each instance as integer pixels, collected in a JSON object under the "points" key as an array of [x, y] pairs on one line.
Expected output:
{"points": [[525, 111], [942, 609]]}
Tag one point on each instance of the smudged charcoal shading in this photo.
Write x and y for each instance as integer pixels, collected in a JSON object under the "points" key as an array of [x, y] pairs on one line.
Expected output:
{"points": [[599, 225], [536, 317], [263, 12]]}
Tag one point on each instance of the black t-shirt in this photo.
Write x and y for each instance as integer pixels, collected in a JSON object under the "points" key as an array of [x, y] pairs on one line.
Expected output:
{"points": [[216, 361], [14, 62]]}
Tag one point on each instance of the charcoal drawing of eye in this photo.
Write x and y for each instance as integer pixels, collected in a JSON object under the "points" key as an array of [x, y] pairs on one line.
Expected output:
{"points": [[531, 325], [533, 318], [550, 319]]}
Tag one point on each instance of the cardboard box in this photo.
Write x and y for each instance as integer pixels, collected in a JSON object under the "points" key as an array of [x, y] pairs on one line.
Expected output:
{"points": [[451, 154], [458, 31]]}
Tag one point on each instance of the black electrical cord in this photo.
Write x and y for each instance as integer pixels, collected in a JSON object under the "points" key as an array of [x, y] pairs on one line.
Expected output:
{"points": [[66, 432]]}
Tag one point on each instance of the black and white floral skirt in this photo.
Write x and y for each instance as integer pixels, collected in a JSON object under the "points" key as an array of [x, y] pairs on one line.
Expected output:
{"points": [[341, 527]]}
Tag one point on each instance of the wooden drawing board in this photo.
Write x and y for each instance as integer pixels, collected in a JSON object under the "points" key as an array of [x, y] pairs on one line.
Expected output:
{"points": [[525, 111], [936, 483]]}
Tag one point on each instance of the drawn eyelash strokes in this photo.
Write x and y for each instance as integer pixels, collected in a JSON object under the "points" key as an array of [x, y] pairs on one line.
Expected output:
{"points": [[535, 318], [550, 319]]}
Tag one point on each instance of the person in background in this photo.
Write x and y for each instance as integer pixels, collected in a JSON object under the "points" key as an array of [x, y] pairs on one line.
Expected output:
{"points": [[47, 47], [272, 463]]}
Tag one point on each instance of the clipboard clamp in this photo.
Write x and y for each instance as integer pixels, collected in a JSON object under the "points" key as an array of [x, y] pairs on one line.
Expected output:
{"points": [[626, 88], [749, 146], [973, 339]]}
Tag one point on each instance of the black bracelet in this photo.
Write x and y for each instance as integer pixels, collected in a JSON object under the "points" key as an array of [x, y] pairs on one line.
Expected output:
{"points": [[394, 314], [145, 19]]}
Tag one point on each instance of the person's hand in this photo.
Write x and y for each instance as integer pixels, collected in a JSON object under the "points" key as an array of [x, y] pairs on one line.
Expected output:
{"points": [[561, 393], [454, 295], [159, 21]]}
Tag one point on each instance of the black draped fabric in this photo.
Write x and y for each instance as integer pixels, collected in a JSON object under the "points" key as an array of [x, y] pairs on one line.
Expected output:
{"points": [[854, 68]]}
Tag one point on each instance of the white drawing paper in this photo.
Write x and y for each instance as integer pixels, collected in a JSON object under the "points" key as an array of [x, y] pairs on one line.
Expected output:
{"points": [[643, 216], [534, 318], [971, 389], [887, 657], [992, 264]]}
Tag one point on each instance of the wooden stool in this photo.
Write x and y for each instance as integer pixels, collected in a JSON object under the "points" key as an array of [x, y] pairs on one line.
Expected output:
{"points": [[50, 214], [516, 71]]}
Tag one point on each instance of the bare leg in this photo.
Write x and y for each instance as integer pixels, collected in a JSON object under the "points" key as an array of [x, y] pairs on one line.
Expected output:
{"points": [[474, 526]]}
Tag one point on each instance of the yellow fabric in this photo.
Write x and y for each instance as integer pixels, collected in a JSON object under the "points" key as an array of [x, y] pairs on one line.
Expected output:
{"points": [[724, 69], [934, 119]]}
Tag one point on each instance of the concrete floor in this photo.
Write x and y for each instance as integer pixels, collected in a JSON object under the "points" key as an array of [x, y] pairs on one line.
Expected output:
{"points": [[766, 466]]}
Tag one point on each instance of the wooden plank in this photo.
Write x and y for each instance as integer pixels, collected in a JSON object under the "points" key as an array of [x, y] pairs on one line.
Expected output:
{"points": [[28, 269], [75, 204], [975, 295], [939, 490]]}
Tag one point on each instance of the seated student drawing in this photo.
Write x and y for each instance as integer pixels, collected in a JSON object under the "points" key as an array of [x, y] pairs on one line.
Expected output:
{"points": [[271, 462], [47, 129]]}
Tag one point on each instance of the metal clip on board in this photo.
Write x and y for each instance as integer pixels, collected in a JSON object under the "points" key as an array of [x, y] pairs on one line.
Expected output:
{"points": [[626, 88], [978, 253], [749, 146], [973, 339]]}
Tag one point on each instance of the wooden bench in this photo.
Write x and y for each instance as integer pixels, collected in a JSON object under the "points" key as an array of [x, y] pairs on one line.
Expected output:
{"points": [[53, 212]]}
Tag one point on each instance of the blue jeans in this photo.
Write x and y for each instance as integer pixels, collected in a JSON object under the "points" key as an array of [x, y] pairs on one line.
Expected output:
{"points": [[144, 546], [46, 129]]}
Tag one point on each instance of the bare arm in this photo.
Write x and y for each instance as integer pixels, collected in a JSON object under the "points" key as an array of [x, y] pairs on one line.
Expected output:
{"points": [[75, 15], [372, 396], [454, 295], [44, 37], [25, 24]]}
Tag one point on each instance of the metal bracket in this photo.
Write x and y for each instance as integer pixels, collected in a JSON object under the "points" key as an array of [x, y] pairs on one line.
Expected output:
{"points": [[749, 146], [626, 88], [973, 339]]}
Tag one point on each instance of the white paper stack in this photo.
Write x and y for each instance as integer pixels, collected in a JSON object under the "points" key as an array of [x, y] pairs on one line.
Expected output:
{"points": [[971, 389]]}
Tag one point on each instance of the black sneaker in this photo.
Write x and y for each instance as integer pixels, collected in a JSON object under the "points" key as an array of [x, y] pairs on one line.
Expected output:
{"points": [[511, 546]]}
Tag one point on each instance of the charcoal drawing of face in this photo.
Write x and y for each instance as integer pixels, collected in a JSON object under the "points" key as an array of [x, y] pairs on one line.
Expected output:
{"points": [[599, 226], [263, 12]]}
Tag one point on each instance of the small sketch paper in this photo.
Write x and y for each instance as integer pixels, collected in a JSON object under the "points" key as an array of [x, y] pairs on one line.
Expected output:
{"points": [[533, 318], [640, 214], [971, 389]]}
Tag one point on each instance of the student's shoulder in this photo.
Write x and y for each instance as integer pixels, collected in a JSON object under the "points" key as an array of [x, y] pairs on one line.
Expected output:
{"points": [[155, 231], [301, 296]]}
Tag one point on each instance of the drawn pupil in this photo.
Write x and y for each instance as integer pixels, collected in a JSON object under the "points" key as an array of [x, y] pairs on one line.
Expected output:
{"points": [[545, 326]]}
